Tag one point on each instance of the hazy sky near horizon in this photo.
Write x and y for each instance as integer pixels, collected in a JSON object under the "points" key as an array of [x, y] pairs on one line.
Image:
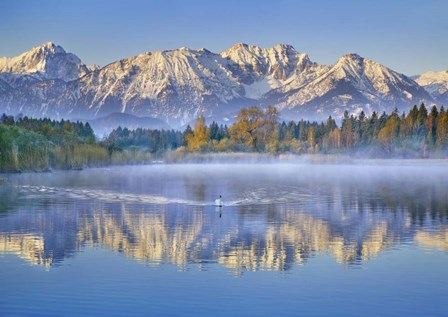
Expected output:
{"points": [[408, 36]]}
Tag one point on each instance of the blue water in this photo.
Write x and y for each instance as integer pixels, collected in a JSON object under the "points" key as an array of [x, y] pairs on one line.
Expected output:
{"points": [[291, 240]]}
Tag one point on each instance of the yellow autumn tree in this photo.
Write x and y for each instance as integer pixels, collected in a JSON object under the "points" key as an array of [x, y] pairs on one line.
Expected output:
{"points": [[256, 128], [198, 140]]}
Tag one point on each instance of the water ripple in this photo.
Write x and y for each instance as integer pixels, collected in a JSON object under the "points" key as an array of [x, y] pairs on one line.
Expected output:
{"points": [[261, 196]]}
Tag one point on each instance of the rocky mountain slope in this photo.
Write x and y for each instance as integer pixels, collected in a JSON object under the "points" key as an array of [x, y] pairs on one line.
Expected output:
{"points": [[354, 83], [436, 83], [176, 86], [47, 61]]}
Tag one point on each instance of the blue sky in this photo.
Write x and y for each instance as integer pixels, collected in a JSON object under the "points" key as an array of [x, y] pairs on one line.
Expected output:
{"points": [[406, 35]]}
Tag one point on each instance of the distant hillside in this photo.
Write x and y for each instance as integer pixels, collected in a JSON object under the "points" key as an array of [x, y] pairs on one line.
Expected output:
{"points": [[105, 125]]}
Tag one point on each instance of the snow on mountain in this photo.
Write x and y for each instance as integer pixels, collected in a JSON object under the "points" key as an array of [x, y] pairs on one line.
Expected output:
{"points": [[4, 87], [179, 85], [176, 85], [277, 62], [354, 83], [436, 83], [47, 61], [264, 69], [6, 92], [92, 68]]}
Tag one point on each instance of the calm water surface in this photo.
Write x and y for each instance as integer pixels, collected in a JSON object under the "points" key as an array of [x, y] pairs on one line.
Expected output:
{"points": [[366, 239]]}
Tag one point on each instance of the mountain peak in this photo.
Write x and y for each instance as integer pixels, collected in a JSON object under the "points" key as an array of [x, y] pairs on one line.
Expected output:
{"points": [[436, 83], [285, 47], [242, 47], [49, 47], [352, 57], [351, 63], [203, 50], [250, 47], [48, 61], [48, 44]]}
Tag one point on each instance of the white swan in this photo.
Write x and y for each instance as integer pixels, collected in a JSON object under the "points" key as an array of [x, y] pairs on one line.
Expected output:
{"points": [[218, 202]]}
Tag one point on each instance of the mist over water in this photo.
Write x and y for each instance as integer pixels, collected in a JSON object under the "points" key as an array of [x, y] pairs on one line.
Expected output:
{"points": [[318, 223]]}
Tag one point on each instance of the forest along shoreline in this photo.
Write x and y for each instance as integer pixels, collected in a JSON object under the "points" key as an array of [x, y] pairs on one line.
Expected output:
{"points": [[257, 135]]}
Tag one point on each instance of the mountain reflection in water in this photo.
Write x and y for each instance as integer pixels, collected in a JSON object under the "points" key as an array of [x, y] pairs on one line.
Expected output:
{"points": [[268, 223]]}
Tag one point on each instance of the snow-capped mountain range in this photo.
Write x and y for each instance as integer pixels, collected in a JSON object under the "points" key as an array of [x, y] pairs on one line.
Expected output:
{"points": [[436, 83], [179, 85]]}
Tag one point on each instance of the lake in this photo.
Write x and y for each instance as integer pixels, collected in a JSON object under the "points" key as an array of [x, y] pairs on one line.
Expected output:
{"points": [[362, 239]]}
